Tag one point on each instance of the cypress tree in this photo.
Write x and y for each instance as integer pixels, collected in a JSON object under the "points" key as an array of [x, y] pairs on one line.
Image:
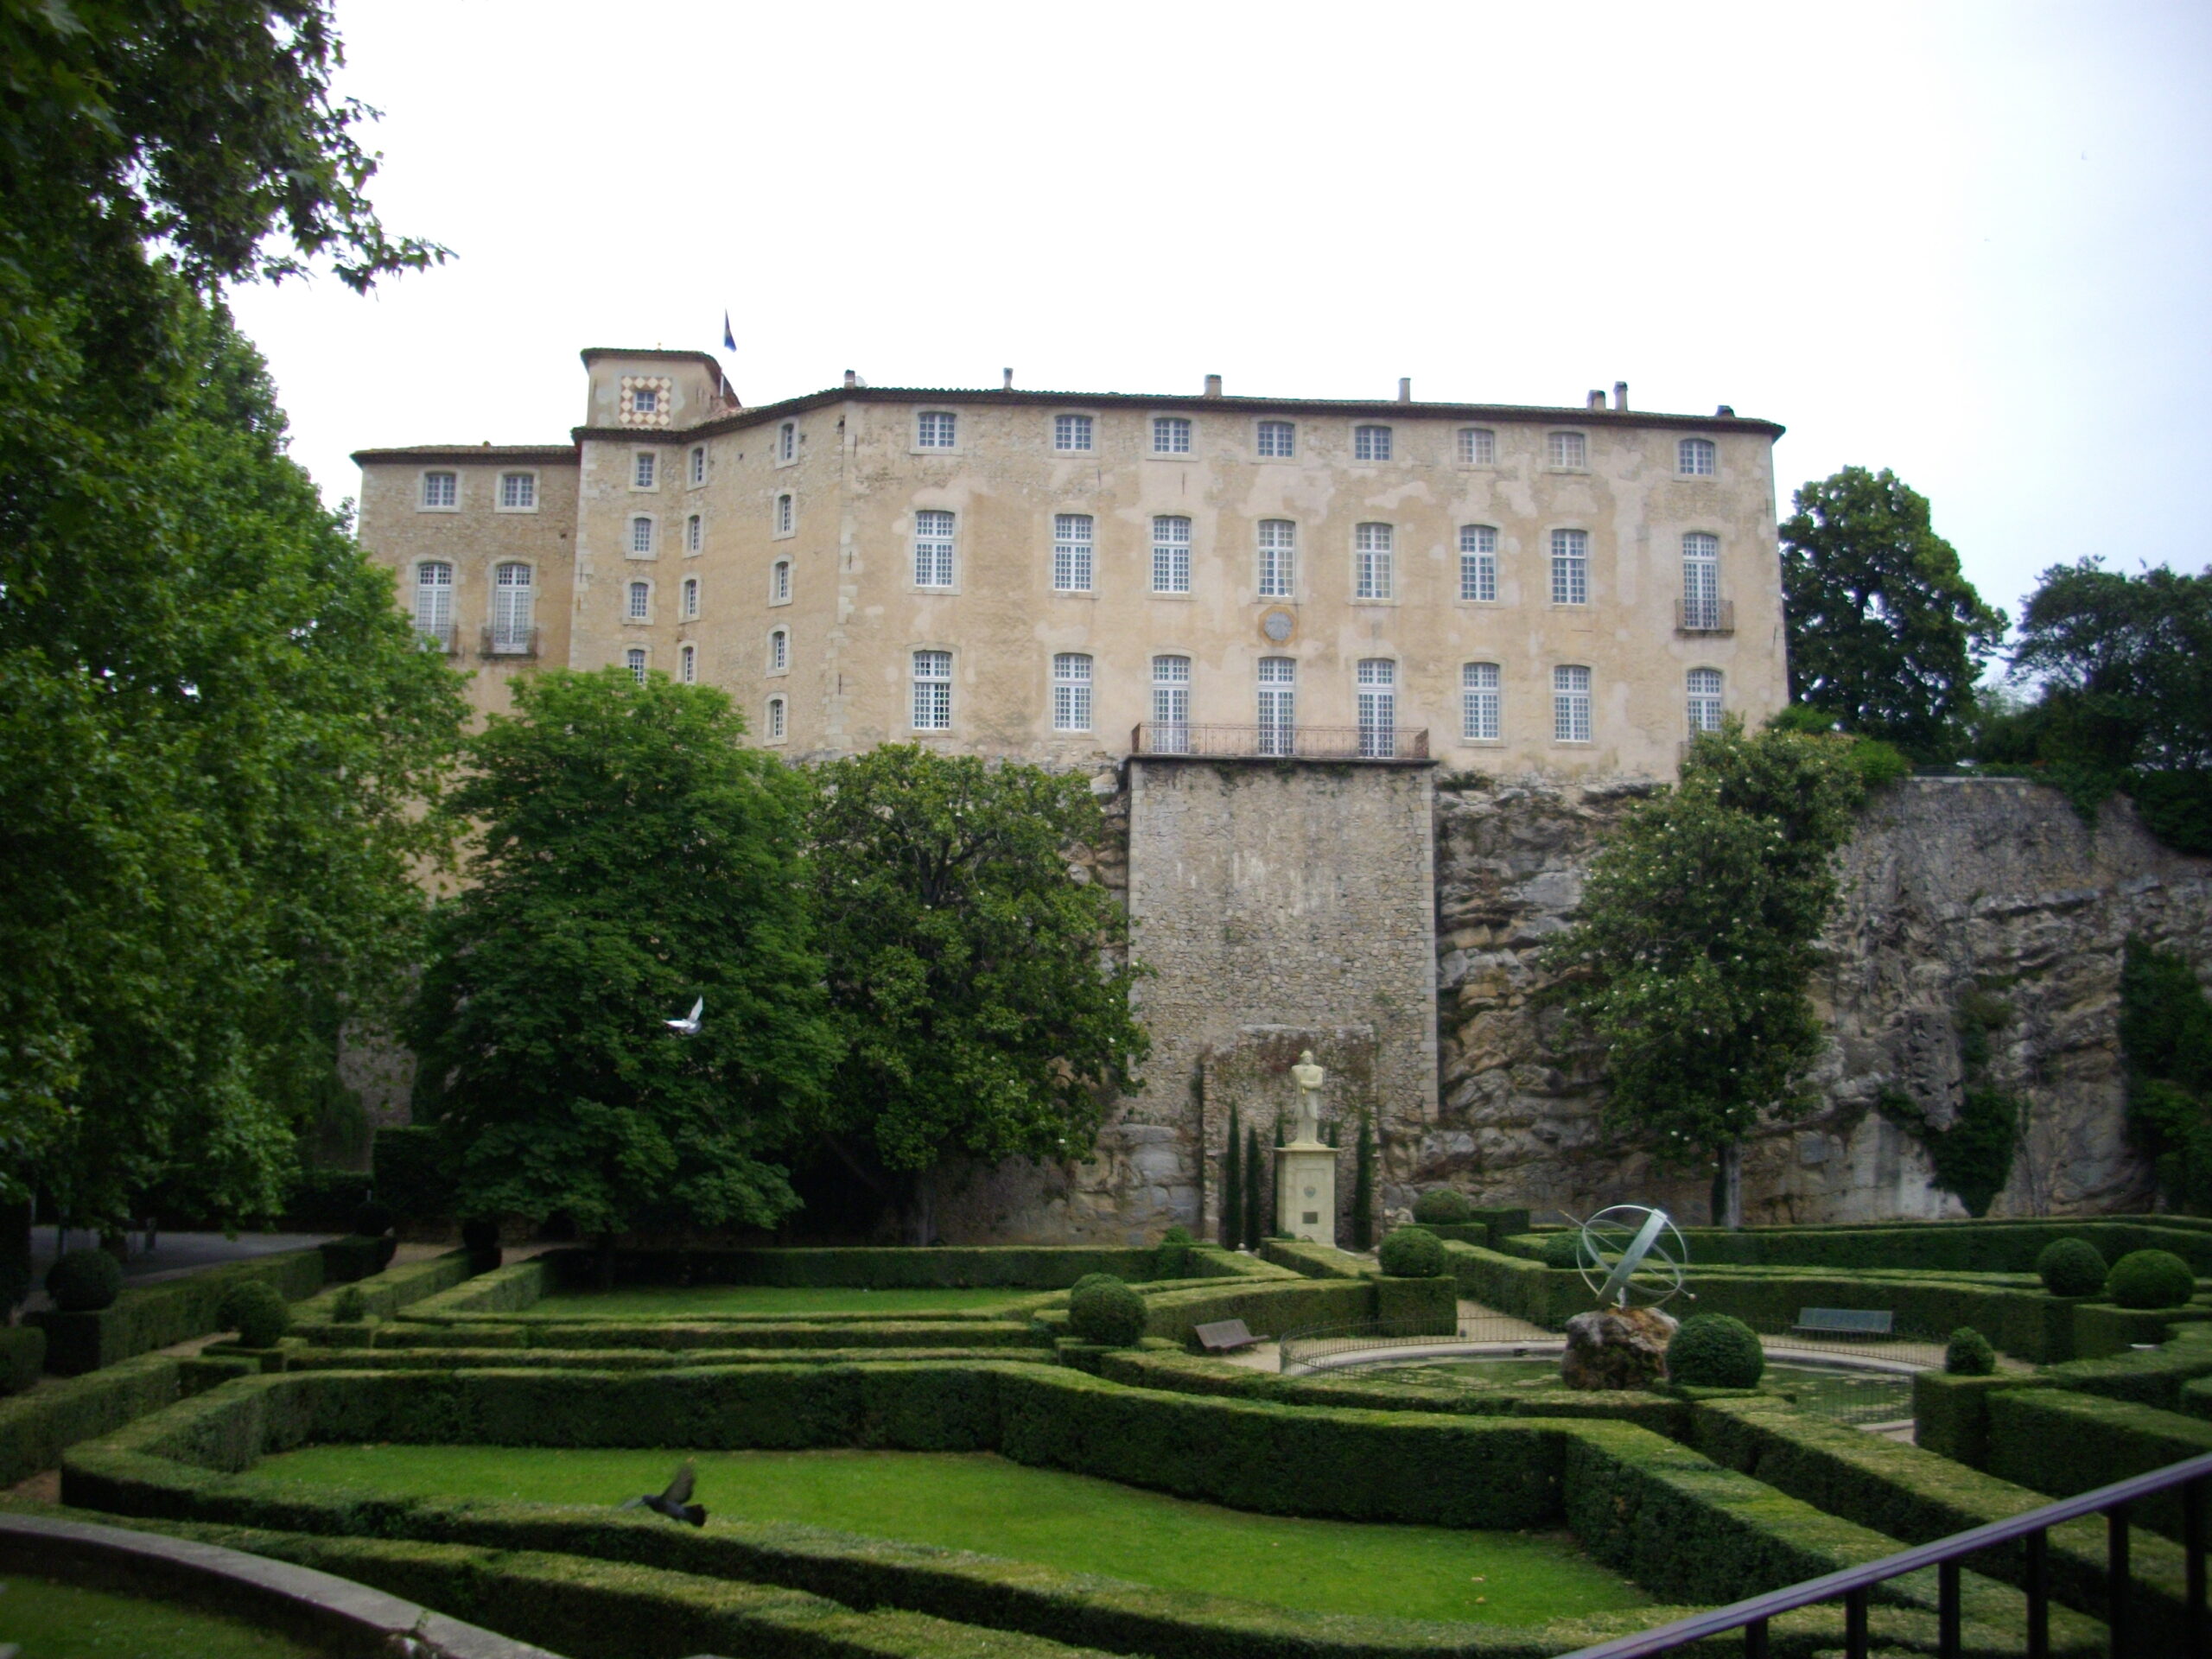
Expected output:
{"points": [[1255, 1215], [1232, 1187], [1363, 1187]]}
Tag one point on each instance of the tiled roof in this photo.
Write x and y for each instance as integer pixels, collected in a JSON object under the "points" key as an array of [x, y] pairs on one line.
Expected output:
{"points": [[460, 453]]}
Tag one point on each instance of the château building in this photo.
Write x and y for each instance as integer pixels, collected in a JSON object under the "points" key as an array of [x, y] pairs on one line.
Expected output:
{"points": [[1073, 577]]}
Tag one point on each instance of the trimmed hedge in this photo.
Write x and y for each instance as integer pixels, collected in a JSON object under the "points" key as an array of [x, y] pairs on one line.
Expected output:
{"points": [[37, 1426], [355, 1256], [2071, 1267], [1951, 1413], [1268, 1309], [1016, 1267], [84, 1281], [2150, 1278], [2101, 1329], [386, 1292], [147, 1317], [406, 1358], [1312, 1261], [2059, 1442], [1941, 1246], [2156, 1378], [1514, 1285], [23, 1356], [1714, 1351], [1424, 1306]]}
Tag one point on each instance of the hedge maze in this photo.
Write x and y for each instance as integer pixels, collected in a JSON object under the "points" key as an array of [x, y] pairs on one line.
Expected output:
{"points": [[1694, 1496]]}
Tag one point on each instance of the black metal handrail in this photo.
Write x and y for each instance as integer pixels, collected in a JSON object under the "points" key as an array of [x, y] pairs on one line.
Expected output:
{"points": [[1279, 743], [2193, 1475]]}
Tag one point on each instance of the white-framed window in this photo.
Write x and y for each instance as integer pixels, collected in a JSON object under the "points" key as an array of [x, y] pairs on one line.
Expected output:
{"points": [[1566, 449], [690, 599], [512, 590], [934, 429], [779, 650], [1570, 705], [518, 491], [434, 601], [1371, 443], [1478, 447], [1171, 436], [441, 489], [1697, 458], [787, 441], [1372, 576], [1705, 699], [1070, 691], [634, 658], [641, 536], [779, 582], [1278, 558], [1570, 567], [645, 400], [932, 691], [1478, 563], [1171, 705], [639, 606], [1378, 707], [1277, 439], [1072, 552], [695, 533], [1071, 434], [687, 664], [932, 550], [1171, 554], [698, 464], [645, 470], [776, 724], [1700, 580], [1479, 695], [786, 514], [1278, 705]]}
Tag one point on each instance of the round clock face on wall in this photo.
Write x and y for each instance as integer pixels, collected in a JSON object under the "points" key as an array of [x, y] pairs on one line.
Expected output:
{"points": [[1277, 625]]}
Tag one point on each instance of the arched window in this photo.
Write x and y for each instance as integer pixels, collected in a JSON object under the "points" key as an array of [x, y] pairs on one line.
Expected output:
{"points": [[1478, 447], [932, 691], [787, 441], [698, 463], [786, 515], [1378, 707], [641, 535], [1696, 458], [1700, 582], [779, 582], [1278, 558], [1371, 574], [687, 664], [640, 606], [694, 534], [776, 720], [779, 650], [1705, 699], [645, 470], [1171, 555], [511, 593], [690, 597], [1072, 550], [1070, 691], [1478, 563], [634, 659], [434, 601], [1570, 567], [1478, 693], [1570, 705], [1278, 705], [1171, 705]]}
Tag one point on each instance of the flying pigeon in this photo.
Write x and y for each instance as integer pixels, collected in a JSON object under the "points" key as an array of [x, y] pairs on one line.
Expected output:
{"points": [[688, 1025], [674, 1502]]}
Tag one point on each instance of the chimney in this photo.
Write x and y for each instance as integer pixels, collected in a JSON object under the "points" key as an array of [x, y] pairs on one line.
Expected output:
{"points": [[1620, 396], [1727, 410], [1597, 400], [1405, 389], [851, 380], [1213, 385], [1005, 379]]}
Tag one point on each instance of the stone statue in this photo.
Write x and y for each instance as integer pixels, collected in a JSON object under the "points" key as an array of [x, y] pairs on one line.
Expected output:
{"points": [[1309, 1077]]}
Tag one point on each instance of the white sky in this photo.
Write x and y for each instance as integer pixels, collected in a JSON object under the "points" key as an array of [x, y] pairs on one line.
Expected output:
{"points": [[1970, 242]]}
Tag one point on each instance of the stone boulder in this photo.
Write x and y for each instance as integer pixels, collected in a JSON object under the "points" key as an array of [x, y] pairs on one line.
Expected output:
{"points": [[1616, 1348]]}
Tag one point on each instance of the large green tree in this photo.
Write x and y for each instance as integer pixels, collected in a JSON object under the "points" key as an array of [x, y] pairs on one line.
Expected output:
{"points": [[1886, 635], [635, 857], [984, 1014], [1688, 959]]}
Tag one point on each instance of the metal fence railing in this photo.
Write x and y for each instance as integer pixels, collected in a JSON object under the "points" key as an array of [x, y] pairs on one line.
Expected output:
{"points": [[1320, 1346], [1281, 741]]}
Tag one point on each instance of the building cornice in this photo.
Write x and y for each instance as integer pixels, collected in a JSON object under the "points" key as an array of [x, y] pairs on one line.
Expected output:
{"points": [[455, 455]]}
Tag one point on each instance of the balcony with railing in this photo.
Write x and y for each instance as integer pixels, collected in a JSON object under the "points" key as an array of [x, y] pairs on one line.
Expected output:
{"points": [[441, 637], [1705, 616], [508, 642], [1401, 745]]}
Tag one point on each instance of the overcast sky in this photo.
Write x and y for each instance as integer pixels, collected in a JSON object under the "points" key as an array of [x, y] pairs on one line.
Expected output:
{"points": [[1971, 242]]}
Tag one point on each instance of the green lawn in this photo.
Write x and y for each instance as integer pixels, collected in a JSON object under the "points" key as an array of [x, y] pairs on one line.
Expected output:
{"points": [[60, 1621], [983, 1502], [788, 1301]]}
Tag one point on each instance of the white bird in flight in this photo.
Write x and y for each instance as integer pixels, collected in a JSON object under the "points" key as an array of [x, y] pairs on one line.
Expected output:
{"points": [[688, 1025]]}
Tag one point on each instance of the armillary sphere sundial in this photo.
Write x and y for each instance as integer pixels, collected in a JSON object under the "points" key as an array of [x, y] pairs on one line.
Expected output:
{"points": [[1631, 1256]]}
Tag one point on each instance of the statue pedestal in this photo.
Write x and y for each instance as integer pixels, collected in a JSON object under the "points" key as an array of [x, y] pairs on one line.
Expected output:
{"points": [[1306, 1190]]}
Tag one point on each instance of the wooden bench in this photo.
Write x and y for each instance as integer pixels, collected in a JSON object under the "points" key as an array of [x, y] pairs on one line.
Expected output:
{"points": [[1843, 1321], [1224, 1337]]}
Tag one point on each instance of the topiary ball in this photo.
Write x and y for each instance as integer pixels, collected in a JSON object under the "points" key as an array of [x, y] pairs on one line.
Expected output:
{"points": [[1715, 1350], [1968, 1353], [1562, 1250], [479, 1236], [2150, 1279], [1443, 1206], [1412, 1253], [2071, 1267], [1105, 1310], [374, 1220], [351, 1307], [255, 1312], [85, 1282]]}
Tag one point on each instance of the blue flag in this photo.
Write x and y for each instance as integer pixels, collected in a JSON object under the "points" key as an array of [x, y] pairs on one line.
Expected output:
{"points": [[729, 340]]}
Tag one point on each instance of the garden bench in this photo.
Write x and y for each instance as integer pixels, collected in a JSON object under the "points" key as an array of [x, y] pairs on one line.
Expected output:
{"points": [[1224, 1337], [1843, 1322]]}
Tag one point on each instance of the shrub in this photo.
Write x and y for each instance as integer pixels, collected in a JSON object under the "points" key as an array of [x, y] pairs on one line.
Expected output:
{"points": [[1174, 1253], [354, 1256], [351, 1307], [479, 1236], [2150, 1279], [1412, 1253], [1715, 1350], [23, 1356], [2071, 1267], [374, 1220], [1105, 1310], [85, 1282], [255, 1312], [1562, 1249], [1969, 1354], [1443, 1205]]}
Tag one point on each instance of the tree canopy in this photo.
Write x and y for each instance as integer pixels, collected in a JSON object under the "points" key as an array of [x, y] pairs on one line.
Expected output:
{"points": [[633, 856], [984, 1014], [1886, 633]]}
